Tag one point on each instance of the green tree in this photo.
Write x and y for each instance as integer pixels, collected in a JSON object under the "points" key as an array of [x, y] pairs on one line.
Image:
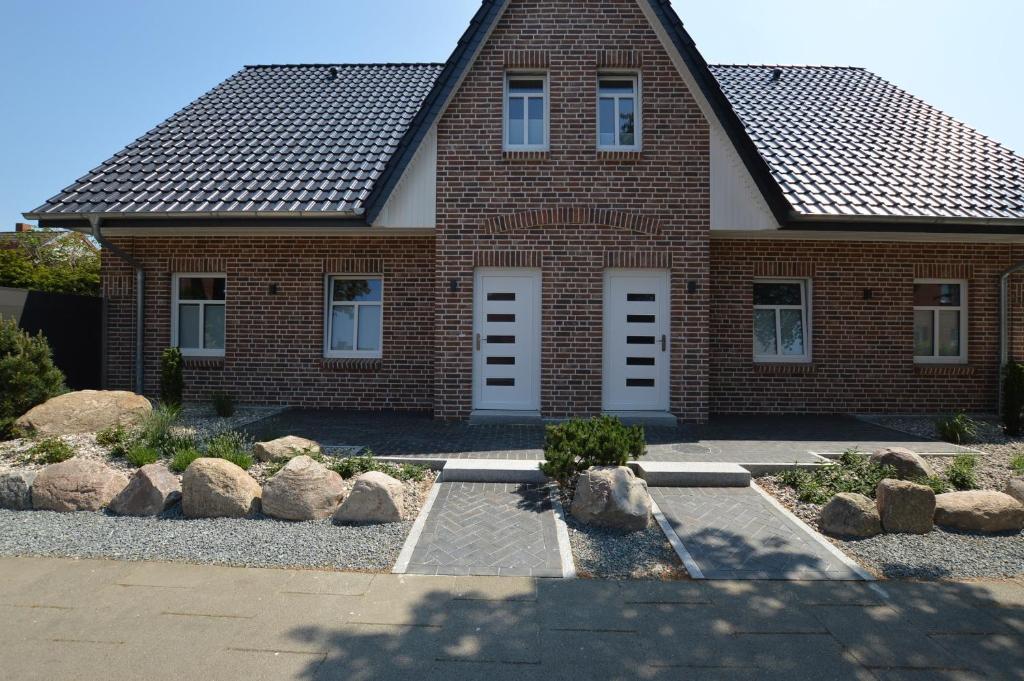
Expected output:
{"points": [[27, 374], [51, 261]]}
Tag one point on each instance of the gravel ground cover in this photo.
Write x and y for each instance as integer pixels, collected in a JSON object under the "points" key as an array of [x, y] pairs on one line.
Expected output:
{"points": [[602, 553], [260, 542]]}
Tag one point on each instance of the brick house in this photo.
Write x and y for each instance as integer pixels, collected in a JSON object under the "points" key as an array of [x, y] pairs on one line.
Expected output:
{"points": [[574, 214]]}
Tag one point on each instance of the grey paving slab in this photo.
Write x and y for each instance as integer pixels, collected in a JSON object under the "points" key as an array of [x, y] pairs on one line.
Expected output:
{"points": [[735, 533], [479, 528]]}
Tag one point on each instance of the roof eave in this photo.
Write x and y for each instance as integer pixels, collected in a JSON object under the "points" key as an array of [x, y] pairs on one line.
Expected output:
{"points": [[942, 225]]}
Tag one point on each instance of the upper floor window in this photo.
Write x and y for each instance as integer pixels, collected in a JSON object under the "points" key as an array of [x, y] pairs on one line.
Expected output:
{"points": [[781, 313], [940, 321], [355, 316], [198, 314], [526, 112], [618, 124]]}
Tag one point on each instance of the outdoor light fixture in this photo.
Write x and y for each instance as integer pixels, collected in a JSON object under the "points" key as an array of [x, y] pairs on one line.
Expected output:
{"points": [[454, 285], [692, 287]]}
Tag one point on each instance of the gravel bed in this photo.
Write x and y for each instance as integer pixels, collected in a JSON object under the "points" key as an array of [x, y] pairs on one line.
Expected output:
{"points": [[260, 542], [602, 553], [941, 554]]}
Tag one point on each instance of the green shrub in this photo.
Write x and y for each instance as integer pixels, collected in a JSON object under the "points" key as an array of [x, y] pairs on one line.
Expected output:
{"points": [[113, 435], [579, 444], [28, 376], [231, 446], [962, 473], [140, 455], [853, 473], [158, 431], [224, 404], [172, 381], [1017, 463], [957, 429], [352, 466], [50, 450], [1013, 398], [938, 485], [182, 458]]}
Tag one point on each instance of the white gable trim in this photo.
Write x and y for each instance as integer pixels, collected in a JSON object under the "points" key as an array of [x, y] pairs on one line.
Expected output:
{"points": [[413, 203]]}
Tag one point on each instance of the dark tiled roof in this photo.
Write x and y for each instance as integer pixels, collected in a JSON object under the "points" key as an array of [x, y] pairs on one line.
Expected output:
{"points": [[844, 142], [276, 139]]}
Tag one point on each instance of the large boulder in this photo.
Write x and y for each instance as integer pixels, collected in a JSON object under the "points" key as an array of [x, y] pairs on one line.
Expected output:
{"points": [[612, 497], [16, 490], [375, 498], [1015, 488], [850, 515], [979, 511], [905, 507], [284, 448], [303, 490], [86, 411], [76, 485], [909, 465], [151, 491], [215, 488]]}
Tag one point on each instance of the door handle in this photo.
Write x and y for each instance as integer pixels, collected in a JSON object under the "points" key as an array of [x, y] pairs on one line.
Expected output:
{"points": [[664, 343], [478, 342]]}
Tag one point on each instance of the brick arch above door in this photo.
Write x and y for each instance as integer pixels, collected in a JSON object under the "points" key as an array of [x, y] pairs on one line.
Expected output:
{"points": [[572, 215]]}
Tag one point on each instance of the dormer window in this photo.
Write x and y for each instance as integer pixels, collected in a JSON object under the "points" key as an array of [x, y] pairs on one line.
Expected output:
{"points": [[526, 113], [618, 119]]}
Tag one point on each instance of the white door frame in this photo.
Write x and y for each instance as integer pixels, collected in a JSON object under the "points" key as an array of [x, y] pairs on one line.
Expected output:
{"points": [[663, 336], [533, 275]]}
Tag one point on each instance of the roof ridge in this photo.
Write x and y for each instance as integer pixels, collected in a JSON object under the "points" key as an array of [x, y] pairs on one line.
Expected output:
{"points": [[311, 65], [838, 67]]}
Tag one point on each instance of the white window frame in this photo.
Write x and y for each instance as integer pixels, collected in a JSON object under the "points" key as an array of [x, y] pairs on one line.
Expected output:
{"points": [[330, 304], [638, 125], [806, 292], [176, 302], [938, 359], [526, 75]]}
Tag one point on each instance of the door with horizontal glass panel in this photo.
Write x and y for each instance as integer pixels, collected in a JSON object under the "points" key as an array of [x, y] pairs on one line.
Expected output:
{"points": [[506, 340], [637, 347]]}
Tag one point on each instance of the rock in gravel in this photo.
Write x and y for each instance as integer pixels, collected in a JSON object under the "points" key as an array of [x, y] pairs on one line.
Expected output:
{"points": [[303, 490], [76, 485], [151, 491], [850, 515], [284, 448], [612, 496], [1015, 488], [85, 411], [375, 498], [16, 490], [979, 511], [905, 507], [909, 465], [215, 488]]}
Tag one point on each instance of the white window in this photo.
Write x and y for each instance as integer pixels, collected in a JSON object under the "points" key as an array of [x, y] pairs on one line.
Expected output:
{"points": [[618, 106], [526, 113], [781, 321], [940, 321], [197, 314], [355, 316]]}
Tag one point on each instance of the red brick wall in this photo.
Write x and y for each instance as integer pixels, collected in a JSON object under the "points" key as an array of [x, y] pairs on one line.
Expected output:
{"points": [[862, 349], [274, 343], [661, 198]]}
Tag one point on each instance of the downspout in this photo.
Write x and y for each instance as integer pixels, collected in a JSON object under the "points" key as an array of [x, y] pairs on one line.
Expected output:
{"points": [[140, 300], [1004, 326]]}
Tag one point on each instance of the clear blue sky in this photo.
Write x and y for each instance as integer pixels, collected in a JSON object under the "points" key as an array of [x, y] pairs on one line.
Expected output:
{"points": [[81, 79]]}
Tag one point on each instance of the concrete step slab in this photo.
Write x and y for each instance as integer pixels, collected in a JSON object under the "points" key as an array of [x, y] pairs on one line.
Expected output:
{"points": [[493, 470], [689, 474]]}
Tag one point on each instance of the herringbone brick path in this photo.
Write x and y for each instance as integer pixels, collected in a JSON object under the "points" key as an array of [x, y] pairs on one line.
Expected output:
{"points": [[479, 528]]}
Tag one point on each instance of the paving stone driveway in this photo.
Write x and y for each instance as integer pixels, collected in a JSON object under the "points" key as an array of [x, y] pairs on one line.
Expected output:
{"points": [[735, 533], [477, 528], [93, 620]]}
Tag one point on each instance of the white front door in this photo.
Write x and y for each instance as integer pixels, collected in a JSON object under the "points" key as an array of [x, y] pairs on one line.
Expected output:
{"points": [[506, 338], [636, 340]]}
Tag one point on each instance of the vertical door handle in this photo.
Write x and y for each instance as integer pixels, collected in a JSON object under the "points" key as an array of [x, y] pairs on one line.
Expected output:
{"points": [[478, 342], [664, 342]]}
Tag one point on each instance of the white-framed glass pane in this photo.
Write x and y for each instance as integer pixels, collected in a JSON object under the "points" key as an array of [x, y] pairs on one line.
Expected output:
{"points": [[937, 295], [924, 331], [764, 333], [776, 293], [516, 116], [606, 121], [536, 127], [357, 290], [201, 288], [369, 328], [949, 333], [188, 326], [526, 86], [343, 319], [791, 330], [627, 122], [612, 86], [213, 327]]}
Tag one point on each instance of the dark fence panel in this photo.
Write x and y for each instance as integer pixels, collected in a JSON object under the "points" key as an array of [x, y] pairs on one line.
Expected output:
{"points": [[72, 324]]}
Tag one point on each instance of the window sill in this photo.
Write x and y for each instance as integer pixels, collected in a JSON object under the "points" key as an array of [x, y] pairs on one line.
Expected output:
{"points": [[783, 368], [619, 155], [350, 363], [202, 362], [945, 370], [535, 155]]}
